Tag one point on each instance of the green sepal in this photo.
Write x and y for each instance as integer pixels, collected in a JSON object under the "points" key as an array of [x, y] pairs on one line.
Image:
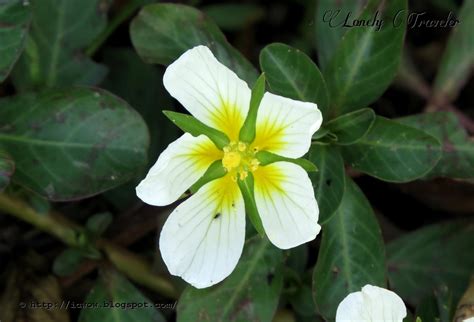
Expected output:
{"points": [[321, 133], [215, 171], [247, 189], [97, 224], [266, 157], [190, 124], [247, 132]]}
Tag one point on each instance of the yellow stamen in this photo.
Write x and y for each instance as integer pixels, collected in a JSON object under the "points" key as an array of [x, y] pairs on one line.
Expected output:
{"points": [[239, 159]]}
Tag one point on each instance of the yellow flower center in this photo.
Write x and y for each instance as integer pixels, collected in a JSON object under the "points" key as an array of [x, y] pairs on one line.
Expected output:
{"points": [[239, 159]]}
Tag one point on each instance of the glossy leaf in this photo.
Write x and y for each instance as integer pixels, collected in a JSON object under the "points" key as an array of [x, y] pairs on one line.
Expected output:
{"points": [[423, 260], [15, 18], [457, 151], [351, 255], [159, 37], [7, 167], [367, 59], [114, 299], [329, 180], [329, 21], [250, 293], [72, 143], [393, 152], [351, 127], [291, 73], [60, 30], [458, 59], [130, 78]]}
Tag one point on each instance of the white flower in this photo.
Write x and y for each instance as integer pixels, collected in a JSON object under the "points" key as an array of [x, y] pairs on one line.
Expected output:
{"points": [[469, 320], [372, 304], [202, 240]]}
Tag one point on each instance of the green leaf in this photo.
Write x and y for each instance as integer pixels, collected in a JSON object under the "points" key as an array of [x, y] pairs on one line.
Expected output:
{"points": [[68, 262], [352, 252], [60, 31], [15, 18], [458, 59], [329, 180], [266, 158], [367, 59], [423, 260], [192, 125], [329, 21], [457, 152], [351, 127], [393, 152], [291, 73], [130, 79], [7, 167], [234, 16], [250, 293], [72, 143], [97, 224], [115, 299], [159, 37], [427, 310], [247, 132], [247, 188]]}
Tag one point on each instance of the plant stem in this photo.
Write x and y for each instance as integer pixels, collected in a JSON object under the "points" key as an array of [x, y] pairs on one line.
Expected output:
{"points": [[125, 12], [136, 268]]}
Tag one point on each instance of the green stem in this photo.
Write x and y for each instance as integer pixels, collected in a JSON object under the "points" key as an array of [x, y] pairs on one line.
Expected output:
{"points": [[136, 268], [125, 12]]}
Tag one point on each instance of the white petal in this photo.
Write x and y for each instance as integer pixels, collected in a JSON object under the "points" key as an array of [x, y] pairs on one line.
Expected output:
{"points": [[469, 320], [285, 126], [210, 91], [286, 204], [180, 165], [372, 304], [198, 246]]}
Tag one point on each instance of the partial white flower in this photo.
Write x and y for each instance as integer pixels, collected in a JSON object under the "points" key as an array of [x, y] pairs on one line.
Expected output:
{"points": [[469, 320], [203, 238], [371, 304]]}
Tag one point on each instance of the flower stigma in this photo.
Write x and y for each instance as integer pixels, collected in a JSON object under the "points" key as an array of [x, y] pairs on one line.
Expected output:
{"points": [[239, 159]]}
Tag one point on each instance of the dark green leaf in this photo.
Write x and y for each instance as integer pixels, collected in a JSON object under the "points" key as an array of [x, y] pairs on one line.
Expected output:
{"points": [[112, 298], [421, 261], [97, 224], [457, 153], [458, 59], [393, 152], [247, 189], [266, 158], [367, 59], [72, 143], [446, 305], [328, 181], [291, 73], [192, 125], [130, 79], [428, 310], [15, 18], [7, 167], [302, 301], [60, 30], [329, 21], [234, 16], [159, 37], [247, 132], [68, 262], [352, 252], [351, 127], [250, 293]]}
